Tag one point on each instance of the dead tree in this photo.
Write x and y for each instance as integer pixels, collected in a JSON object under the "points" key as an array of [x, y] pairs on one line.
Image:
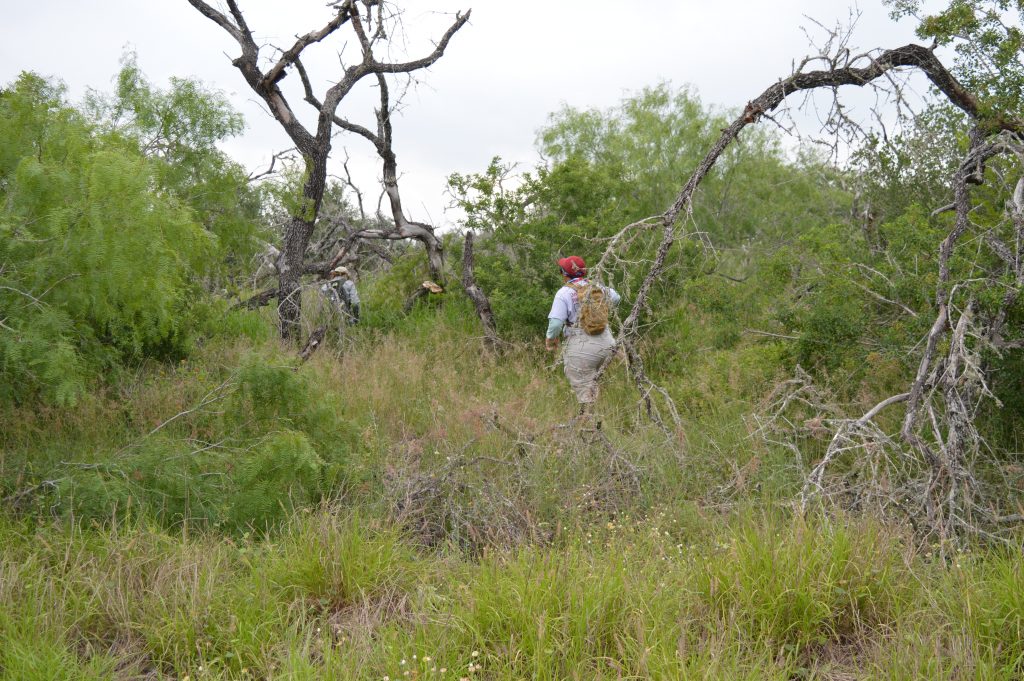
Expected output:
{"points": [[877, 66], [944, 396], [476, 294], [403, 228], [846, 73], [315, 145]]}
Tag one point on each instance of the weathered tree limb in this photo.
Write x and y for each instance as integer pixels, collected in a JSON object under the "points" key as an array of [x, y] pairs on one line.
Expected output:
{"points": [[315, 340], [880, 297], [403, 228], [909, 55], [953, 383], [254, 177], [980, 152], [915, 56], [424, 290], [1014, 262], [476, 294], [382, 142], [411, 300], [259, 300], [939, 427], [841, 442]]}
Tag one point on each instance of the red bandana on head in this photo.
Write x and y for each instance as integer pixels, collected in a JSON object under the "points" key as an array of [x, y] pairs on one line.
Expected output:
{"points": [[573, 266]]}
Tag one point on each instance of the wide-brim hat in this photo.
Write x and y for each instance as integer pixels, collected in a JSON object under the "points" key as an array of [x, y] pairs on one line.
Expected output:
{"points": [[339, 272]]}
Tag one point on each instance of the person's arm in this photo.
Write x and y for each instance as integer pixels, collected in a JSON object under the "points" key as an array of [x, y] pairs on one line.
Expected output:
{"points": [[329, 292], [556, 322], [551, 338], [613, 296]]}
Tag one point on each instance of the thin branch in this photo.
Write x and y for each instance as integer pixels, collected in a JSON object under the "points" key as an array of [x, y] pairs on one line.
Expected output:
{"points": [[882, 298], [277, 71]]}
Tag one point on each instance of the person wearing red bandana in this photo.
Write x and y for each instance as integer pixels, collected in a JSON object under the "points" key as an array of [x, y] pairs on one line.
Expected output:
{"points": [[584, 351]]}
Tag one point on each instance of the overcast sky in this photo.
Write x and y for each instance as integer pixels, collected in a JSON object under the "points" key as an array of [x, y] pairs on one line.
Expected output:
{"points": [[502, 75]]}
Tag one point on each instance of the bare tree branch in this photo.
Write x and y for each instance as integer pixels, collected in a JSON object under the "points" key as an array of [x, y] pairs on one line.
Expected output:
{"points": [[277, 71]]}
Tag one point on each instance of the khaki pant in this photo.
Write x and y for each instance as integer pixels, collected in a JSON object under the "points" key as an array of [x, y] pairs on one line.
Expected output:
{"points": [[583, 356]]}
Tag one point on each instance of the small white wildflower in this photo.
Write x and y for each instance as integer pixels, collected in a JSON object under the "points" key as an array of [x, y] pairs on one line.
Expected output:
{"points": [[475, 653]]}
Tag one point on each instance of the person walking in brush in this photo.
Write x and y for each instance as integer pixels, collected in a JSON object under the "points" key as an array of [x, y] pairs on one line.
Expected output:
{"points": [[580, 312], [342, 291]]}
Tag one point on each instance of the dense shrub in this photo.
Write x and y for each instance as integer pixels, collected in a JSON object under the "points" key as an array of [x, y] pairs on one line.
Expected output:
{"points": [[280, 475], [102, 256]]}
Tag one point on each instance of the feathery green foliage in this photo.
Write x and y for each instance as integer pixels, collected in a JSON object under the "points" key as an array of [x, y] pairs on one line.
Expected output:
{"points": [[177, 129], [611, 168], [97, 263], [102, 237]]}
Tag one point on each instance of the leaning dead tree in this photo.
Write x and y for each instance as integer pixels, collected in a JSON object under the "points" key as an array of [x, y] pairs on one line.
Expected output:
{"points": [[672, 222], [476, 294], [314, 145], [938, 435], [931, 462]]}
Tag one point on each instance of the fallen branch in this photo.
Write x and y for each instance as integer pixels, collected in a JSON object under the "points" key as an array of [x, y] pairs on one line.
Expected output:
{"points": [[425, 289], [313, 343], [257, 301]]}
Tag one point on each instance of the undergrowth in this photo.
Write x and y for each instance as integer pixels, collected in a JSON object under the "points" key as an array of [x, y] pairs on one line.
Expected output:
{"points": [[410, 507], [673, 594]]}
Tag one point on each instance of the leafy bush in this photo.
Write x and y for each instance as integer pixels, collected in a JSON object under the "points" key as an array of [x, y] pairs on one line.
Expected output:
{"points": [[95, 495], [269, 393], [280, 475], [100, 260]]}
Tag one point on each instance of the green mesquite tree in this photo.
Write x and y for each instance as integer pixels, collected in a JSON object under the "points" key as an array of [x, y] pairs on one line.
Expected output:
{"points": [[178, 130], [98, 260]]}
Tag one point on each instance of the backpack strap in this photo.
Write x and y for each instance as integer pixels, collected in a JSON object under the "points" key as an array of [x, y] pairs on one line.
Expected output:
{"points": [[578, 284]]}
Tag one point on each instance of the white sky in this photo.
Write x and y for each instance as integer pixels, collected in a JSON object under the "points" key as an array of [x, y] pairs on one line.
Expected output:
{"points": [[503, 73]]}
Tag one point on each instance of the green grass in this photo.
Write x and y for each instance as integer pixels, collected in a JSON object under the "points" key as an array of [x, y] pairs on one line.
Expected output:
{"points": [[340, 596], [404, 504]]}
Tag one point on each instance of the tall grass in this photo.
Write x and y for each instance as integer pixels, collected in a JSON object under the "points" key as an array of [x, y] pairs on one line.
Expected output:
{"points": [[410, 507], [340, 596]]}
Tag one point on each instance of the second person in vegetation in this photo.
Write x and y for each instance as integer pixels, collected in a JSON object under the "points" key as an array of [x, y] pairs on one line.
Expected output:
{"points": [[580, 313], [341, 290]]}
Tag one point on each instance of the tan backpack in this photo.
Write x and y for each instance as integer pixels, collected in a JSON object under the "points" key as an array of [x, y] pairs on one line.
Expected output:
{"points": [[593, 308]]}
